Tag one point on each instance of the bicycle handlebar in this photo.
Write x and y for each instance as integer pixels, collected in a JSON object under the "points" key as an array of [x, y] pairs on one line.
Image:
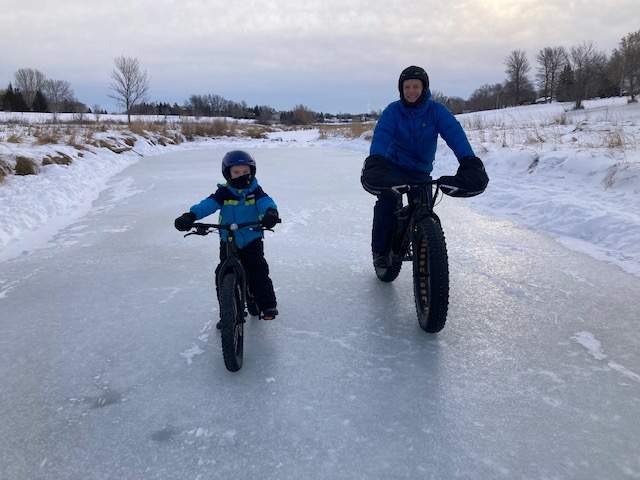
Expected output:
{"points": [[207, 228], [399, 189]]}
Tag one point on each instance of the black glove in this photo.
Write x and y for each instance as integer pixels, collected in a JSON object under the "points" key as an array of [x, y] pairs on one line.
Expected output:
{"points": [[270, 218], [185, 221], [471, 179]]}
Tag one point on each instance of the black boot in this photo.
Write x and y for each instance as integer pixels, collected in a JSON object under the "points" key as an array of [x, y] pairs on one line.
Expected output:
{"points": [[269, 313]]}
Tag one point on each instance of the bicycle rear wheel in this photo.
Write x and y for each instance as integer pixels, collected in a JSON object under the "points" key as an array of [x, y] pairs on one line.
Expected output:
{"points": [[430, 275], [231, 322]]}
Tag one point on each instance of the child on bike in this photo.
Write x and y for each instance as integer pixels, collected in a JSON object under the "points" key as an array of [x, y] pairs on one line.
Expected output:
{"points": [[241, 200]]}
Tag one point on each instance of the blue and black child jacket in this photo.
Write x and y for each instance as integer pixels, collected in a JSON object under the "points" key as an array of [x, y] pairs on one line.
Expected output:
{"points": [[237, 206], [408, 136]]}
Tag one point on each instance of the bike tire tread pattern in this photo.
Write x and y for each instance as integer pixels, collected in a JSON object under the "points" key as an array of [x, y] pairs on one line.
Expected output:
{"points": [[438, 268], [228, 319]]}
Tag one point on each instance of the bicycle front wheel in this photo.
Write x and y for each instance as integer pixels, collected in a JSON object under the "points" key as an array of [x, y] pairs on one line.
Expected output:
{"points": [[231, 322], [430, 275]]}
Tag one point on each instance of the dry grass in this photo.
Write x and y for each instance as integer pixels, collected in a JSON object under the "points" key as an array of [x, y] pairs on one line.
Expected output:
{"points": [[110, 146], [5, 169], [476, 122], [256, 131], [26, 166], [614, 139], [347, 130], [534, 136], [145, 129], [59, 159], [14, 138], [47, 136], [217, 128], [131, 141]]}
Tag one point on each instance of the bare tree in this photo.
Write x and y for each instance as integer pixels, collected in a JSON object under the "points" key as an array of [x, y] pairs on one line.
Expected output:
{"points": [[551, 61], [615, 70], [97, 111], [630, 50], [129, 83], [57, 93], [543, 74], [517, 70], [584, 58], [29, 81]]}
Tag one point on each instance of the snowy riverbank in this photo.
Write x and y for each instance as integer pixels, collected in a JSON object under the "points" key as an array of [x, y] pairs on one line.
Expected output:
{"points": [[573, 175]]}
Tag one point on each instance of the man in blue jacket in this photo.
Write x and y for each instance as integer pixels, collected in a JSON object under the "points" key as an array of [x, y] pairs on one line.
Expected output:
{"points": [[403, 149]]}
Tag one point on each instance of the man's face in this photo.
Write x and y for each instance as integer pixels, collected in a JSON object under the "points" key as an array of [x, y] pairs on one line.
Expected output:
{"points": [[411, 89]]}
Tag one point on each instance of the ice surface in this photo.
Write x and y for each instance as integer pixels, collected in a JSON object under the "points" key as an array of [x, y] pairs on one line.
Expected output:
{"points": [[110, 367]]}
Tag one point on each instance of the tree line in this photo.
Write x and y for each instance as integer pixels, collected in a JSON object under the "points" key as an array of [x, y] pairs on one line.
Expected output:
{"points": [[574, 74], [565, 75], [32, 91]]}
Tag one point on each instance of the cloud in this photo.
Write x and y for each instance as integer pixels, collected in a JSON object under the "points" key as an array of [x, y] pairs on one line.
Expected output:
{"points": [[314, 49]]}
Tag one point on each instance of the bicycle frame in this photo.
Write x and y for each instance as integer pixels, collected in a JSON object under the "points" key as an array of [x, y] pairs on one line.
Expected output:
{"points": [[232, 260], [421, 199], [232, 263]]}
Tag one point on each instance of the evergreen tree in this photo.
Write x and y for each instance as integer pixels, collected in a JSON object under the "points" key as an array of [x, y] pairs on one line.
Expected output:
{"points": [[6, 102], [40, 103], [19, 104], [566, 83]]}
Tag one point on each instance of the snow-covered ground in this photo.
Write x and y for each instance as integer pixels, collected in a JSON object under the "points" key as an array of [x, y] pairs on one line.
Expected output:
{"points": [[36, 118]]}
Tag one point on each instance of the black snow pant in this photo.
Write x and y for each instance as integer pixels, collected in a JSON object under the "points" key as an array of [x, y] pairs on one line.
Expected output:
{"points": [[384, 221], [257, 271]]}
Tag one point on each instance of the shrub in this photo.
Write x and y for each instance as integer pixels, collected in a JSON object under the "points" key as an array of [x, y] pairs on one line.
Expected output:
{"points": [[26, 166]]}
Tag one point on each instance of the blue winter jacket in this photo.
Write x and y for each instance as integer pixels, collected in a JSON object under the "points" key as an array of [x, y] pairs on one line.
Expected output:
{"points": [[237, 206], [409, 136]]}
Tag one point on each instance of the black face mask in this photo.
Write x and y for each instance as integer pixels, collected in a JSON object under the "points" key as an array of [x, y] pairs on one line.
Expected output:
{"points": [[241, 182]]}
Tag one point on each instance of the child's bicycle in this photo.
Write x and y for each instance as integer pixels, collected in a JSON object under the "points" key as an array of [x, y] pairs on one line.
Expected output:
{"points": [[418, 238], [231, 284]]}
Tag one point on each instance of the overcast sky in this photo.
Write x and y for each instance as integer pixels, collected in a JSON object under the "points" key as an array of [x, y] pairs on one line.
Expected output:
{"points": [[332, 55]]}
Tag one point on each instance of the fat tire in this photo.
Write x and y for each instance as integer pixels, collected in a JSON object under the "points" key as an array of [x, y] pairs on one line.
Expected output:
{"points": [[389, 274], [231, 322], [430, 275]]}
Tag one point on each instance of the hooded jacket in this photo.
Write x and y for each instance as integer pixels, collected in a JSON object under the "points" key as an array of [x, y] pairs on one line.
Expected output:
{"points": [[408, 136], [236, 206]]}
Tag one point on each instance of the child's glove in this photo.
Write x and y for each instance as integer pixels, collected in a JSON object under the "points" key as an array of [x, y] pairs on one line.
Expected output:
{"points": [[270, 218], [185, 221]]}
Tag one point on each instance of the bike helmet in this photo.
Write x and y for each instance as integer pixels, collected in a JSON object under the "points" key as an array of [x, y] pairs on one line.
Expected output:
{"points": [[237, 157], [414, 73]]}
